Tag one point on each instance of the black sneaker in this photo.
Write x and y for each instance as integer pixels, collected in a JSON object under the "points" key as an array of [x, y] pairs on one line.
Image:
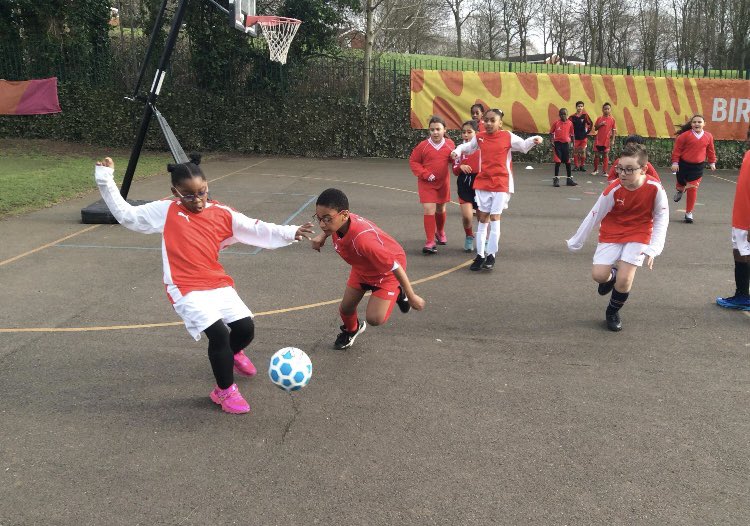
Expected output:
{"points": [[570, 182], [489, 262], [402, 302], [346, 339], [613, 322], [689, 217], [478, 262], [556, 182], [677, 196], [606, 287]]}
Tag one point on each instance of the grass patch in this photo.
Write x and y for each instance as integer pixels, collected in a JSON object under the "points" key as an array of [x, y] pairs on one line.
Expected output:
{"points": [[36, 174]]}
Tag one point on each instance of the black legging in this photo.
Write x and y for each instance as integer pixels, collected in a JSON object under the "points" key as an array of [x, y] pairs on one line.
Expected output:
{"points": [[224, 343]]}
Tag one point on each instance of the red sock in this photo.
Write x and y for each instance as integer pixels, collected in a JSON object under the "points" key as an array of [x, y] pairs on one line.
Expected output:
{"points": [[596, 162], [351, 324], [469, 231], [577, 160], [692, 195], [606, 163], [440, 221], [429, 228]]}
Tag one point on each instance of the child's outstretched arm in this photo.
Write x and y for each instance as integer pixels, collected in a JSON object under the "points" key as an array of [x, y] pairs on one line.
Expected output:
{"points": [[147, 219], [465, 148], [415, 301], [264, 235], [317, 242], [659, 233], [518, 144], [601, 208]]}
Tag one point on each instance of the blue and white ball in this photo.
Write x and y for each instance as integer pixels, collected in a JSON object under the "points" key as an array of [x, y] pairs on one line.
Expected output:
{"points": [[290, 368]]}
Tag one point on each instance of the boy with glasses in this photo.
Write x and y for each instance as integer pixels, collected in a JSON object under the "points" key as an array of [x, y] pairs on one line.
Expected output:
{"points": [[378, 265], [632, 215]]}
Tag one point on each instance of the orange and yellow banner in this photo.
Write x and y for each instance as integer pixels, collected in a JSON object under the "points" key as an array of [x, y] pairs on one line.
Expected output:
{"points": [[648, 106]]}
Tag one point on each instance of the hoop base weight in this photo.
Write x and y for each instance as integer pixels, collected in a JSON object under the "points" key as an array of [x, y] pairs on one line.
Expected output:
{"points": [[98, 213]]}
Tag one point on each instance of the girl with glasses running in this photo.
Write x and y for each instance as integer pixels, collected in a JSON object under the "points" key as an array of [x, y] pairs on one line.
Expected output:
{"points": [[193, 230]]}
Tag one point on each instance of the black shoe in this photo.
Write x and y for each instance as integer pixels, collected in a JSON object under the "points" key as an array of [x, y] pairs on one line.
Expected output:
{"points": [[556, 182], [689, 217], [613, 322], [429, 249], [402, 302], [677, 196], [478, 262], [489, 262], [346, 339], [570, 182], [606, 287]]}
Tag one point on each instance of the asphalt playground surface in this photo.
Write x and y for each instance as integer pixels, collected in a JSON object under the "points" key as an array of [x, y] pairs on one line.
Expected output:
{"points": [[505, 402]]}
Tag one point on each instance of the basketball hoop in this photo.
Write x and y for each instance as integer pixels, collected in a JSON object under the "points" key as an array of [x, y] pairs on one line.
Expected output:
{"points": [[278, 31]]}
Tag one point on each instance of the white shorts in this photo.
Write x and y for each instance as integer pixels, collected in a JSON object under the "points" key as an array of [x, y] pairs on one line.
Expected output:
{"points": [[740, 241], [491, 202], [611, 253], [202, 308]]}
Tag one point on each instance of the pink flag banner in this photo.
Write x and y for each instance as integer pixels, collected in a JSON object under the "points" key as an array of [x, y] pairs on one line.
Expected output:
{"points": [[29, 97]]}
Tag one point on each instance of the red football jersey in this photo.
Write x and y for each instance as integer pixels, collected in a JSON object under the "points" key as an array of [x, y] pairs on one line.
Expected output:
{"points": [[741, 208], [562, 130], [430, 158], [694, 149], [631, 218], [603, 134], [370, 251]]}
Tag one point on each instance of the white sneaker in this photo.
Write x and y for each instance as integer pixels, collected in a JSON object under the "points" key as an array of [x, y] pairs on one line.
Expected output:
{"points": [[596, 172], [688, 217]]}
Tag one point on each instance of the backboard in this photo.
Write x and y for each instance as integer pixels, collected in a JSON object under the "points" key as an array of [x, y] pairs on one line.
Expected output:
{"points": [[239, 10]]}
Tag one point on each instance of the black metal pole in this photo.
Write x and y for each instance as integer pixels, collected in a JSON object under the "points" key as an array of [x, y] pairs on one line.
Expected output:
{"points": [[152, 95], [151, 42]]}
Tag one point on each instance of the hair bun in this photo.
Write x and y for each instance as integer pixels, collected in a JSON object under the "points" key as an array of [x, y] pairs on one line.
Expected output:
{"points": [[171, 167], [195, 158]]}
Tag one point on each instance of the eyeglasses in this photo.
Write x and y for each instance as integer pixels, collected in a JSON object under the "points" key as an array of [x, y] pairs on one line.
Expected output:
{"points": [[192, 197], [627, 170], [326, 220]]}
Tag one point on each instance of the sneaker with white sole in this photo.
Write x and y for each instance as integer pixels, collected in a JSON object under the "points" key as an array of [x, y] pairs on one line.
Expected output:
{"points": [[230, 400], [345, 339], [243, 365]]}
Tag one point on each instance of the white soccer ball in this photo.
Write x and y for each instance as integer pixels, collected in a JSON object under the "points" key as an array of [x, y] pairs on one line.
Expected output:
{"points": [[290, 368]]}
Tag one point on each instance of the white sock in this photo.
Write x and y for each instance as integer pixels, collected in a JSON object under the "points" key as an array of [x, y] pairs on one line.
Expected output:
{"points": [[494, 245], [481, 238]]}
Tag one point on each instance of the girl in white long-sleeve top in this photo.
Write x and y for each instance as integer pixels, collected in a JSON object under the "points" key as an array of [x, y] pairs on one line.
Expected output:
{"points": [[633, 213], [193, 230]]}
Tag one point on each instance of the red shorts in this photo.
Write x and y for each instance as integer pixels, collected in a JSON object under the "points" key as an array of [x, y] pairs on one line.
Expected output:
{"points": [[386, 288], [434, 192], [580, 143]]}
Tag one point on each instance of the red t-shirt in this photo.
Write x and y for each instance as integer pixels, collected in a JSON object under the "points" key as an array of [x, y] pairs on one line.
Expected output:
{"points": [[495, 166], [632, 216], [693, 149], [741, 208], [430, 158], [603, 134], [562, 130], [370, 251]]}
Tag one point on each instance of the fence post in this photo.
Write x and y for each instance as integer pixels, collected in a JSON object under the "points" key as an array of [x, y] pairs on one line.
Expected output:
{"points": [[394, 80]]}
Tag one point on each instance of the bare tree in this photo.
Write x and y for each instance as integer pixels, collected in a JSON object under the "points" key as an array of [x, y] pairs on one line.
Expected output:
{"points": [[456, 7]]}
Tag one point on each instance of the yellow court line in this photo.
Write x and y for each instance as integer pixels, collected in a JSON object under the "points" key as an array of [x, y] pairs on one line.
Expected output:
{"points": [[32, 251], [176, 323], [19, 256]]}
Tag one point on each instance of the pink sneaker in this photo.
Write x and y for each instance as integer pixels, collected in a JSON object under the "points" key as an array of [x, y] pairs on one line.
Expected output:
{"points": [[441, 238], [243, 365], [230, 400]]}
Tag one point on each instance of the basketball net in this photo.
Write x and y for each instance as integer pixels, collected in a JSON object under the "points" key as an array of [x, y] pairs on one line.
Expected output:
{"points": [[278, 31]]}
